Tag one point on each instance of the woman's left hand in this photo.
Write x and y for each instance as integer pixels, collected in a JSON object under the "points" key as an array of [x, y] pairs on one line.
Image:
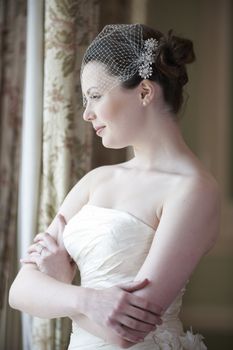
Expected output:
{"points": [[50, 256]]}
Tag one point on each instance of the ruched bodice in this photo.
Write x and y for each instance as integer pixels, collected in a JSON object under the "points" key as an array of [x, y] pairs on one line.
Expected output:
{"points": [[109, 247]]}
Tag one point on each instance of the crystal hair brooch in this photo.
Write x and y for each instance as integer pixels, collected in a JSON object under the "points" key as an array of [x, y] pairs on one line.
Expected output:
{"points": [[148, 57]]}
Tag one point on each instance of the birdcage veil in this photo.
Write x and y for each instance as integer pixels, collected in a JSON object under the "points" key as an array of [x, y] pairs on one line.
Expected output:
{"points": [[120, 51]]}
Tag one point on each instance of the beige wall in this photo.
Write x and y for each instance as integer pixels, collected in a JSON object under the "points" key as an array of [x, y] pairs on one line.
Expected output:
{"points": [[208, 303]]}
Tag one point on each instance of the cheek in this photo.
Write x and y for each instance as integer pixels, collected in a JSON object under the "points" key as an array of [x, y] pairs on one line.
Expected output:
{"points": [[111, 111], [120, 111]]}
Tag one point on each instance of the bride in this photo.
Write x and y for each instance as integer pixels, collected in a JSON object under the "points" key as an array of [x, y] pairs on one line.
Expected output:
{"points": [[136, 230]]}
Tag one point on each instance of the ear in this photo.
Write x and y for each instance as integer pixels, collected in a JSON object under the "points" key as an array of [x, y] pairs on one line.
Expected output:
{"points": [[147, 91]]}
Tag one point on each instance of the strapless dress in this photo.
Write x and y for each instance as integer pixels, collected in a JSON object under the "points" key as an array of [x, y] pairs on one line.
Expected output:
{"points": [[109, 247]]}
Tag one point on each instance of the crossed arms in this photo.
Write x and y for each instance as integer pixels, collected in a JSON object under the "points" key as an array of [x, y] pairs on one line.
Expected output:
{"points": [[188, 229]]}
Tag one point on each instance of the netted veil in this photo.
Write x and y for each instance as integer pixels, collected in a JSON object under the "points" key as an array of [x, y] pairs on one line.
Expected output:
{"points": [[120, 51]]}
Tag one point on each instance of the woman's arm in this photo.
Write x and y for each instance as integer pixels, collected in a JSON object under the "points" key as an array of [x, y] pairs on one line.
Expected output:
{"points": [[54, 263], [51, 299], [188, 229], [105, 333], [40, 295], [119, 335], [43, 296]]}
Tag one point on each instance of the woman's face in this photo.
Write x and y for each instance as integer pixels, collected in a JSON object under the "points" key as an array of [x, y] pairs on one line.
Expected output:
{"points": [[119, 110]]}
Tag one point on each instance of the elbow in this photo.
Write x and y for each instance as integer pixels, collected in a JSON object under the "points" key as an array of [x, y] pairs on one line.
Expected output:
{"points": [[12, 297], [17, 296], [15, 299]]}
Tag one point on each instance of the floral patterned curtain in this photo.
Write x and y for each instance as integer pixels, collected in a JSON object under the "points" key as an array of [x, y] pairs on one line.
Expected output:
{"points": [[67, 139], [12, 63]]}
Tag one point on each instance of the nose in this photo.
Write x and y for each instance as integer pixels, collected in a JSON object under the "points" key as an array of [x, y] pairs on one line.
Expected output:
{"points": [[88, 114]]}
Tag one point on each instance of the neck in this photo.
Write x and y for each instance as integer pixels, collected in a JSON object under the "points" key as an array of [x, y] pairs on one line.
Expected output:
{"points": [[161, 145]]}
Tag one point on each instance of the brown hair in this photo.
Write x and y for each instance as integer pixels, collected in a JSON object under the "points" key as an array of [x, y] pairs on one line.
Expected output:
{"points": [[169, 69]]}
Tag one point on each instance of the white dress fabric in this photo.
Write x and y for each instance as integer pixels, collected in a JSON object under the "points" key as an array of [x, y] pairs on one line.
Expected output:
{"points": [[109, 247]]}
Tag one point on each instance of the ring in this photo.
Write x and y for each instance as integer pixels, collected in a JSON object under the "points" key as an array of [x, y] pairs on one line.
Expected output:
{"points": [[42, 247]]}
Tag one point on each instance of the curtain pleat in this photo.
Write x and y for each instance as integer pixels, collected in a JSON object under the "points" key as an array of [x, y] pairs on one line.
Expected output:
{"points": [[31, 140], [69, 26], [12, 63]]}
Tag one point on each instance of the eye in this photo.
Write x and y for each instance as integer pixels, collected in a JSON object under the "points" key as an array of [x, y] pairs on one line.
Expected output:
{"points": [[95, 96]]}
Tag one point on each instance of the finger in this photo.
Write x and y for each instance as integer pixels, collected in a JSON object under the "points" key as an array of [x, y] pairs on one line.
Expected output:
{"points": [[32, 259], [126, 333], [35, 248], [31, 248], [142, 303], [47, 241], [38, 234], [32, 254], [143, 316], [136, 325], [135, 285]]}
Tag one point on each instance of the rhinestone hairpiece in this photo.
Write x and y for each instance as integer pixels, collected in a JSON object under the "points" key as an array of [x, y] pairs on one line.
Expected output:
{"points": [[148, 57]]}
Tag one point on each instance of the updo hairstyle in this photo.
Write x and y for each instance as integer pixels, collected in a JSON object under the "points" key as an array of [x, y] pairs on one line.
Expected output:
{"points": [[169, 68]]}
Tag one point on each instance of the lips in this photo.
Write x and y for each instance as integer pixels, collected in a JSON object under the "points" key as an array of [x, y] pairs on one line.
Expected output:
{"points": [[99, 131], [98, 127]]}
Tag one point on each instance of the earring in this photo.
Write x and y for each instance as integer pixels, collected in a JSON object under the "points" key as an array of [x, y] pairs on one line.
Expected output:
{"points": [[144, 103]]}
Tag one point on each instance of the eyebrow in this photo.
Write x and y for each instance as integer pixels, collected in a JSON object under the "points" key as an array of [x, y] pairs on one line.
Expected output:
{"points": [[93, 87]]}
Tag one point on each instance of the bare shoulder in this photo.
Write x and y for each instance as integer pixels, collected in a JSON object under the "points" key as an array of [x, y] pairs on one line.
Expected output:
{"points": [[203, 186], [79, 195], [197, 202]]}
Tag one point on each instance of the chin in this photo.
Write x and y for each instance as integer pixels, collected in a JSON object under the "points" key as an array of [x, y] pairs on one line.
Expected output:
{"points": [[114, 145]]}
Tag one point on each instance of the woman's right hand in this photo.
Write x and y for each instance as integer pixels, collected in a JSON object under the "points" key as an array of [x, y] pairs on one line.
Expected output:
{"points": [[130, 316], [51, 256]]}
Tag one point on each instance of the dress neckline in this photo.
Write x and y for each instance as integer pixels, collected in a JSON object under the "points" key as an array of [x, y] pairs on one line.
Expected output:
{"points": [[122, 212]]}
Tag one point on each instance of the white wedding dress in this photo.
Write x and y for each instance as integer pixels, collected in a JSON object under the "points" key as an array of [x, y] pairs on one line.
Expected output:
{"points": [[109, 247]]}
